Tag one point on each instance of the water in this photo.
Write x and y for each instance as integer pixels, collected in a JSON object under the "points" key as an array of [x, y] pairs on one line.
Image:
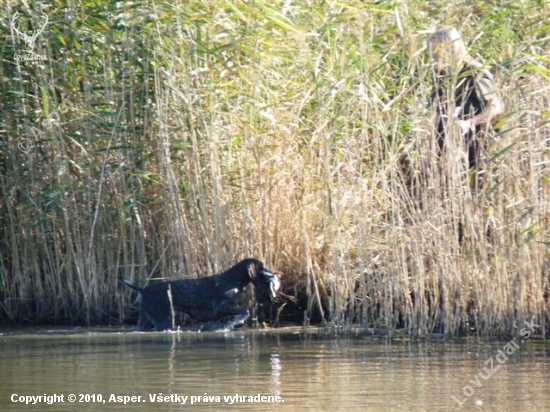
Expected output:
{"points": [[308, 371]]}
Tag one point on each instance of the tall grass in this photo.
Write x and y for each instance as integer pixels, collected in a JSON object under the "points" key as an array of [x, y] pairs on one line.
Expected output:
{"points": [[300, 133]]}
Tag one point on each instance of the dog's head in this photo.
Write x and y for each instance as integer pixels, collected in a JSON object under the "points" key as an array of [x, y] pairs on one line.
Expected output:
{"points": [[267, 288], [266, 283]]}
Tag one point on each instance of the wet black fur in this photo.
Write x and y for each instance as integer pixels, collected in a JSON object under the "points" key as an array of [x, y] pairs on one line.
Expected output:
{"points": [[207, 299]]}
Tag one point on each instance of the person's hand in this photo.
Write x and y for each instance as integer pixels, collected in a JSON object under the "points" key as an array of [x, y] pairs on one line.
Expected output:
{"points": [[465, 127]]}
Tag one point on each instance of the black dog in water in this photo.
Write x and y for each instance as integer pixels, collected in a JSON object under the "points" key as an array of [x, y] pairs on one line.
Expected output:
{"points": [[207, 299]]}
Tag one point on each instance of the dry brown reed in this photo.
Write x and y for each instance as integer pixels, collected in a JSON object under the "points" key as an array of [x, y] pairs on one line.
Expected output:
{"points": [[296, 133]]}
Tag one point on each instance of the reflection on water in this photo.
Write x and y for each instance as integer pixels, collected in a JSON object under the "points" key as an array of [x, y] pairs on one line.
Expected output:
{"points": [[308, 371]]}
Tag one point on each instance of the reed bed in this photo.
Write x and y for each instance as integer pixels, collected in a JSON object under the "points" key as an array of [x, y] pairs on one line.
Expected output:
{"points": [[172, 139]]}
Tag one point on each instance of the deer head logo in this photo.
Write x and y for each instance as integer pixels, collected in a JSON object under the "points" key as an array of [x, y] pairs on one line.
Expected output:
{"points": [[30, 40]]}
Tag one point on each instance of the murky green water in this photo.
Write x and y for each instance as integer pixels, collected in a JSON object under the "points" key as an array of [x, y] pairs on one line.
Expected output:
{"points": [[309, 372]]}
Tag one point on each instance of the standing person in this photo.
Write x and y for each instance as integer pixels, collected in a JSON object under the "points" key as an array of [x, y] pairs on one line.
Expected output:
{"points": [[464, 95]]}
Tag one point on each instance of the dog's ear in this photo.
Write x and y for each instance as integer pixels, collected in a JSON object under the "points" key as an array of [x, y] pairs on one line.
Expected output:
{"points": [[255, 268], [252, 270]]}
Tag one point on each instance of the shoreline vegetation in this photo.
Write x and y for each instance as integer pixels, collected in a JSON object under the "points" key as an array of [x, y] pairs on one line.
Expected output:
{"points": [[166, 140]]}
